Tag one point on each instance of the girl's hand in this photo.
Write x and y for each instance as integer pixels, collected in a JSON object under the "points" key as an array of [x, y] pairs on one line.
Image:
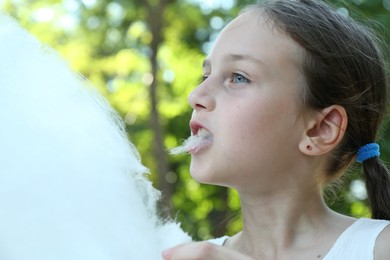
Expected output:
{"points": [[202, 250]]}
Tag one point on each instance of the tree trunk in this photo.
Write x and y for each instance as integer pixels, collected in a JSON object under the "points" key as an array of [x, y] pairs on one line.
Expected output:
{"points": [[155, 22]]}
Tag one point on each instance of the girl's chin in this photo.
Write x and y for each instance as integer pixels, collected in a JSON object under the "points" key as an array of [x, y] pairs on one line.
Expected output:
{"points": [[205, 177], [201, 177]]}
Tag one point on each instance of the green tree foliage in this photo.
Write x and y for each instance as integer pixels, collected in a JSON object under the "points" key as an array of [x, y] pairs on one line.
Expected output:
{"points": [[112, 43]]}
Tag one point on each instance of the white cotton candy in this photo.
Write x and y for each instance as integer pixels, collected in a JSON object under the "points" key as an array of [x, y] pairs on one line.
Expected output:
{"points": [[71, 184], [202, 137]]}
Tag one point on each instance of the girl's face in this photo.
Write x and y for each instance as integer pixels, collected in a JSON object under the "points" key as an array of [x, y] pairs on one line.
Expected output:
{"points": [[248, 103]]}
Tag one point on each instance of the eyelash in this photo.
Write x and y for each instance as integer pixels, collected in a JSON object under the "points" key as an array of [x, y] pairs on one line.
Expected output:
{"points": [[232, 76], [202, 78]]}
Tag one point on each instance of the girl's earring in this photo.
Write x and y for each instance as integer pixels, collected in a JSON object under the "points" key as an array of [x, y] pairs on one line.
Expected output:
{"points": [[308, 147]]}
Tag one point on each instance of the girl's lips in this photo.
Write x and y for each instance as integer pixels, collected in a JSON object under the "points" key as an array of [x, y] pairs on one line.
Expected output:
{"points": [[196, 149], [200, 141], [195, 126]]}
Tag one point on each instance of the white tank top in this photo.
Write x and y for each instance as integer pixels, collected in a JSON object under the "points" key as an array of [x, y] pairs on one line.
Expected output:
{"points": [[357, 242]]}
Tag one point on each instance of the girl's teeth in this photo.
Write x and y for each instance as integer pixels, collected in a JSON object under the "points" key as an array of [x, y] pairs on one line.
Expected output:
{"points": [[202, 133]]}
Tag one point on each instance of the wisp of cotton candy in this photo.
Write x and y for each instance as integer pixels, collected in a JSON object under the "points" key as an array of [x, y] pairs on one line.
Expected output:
{"points": [[71, 184], [193, 143]]}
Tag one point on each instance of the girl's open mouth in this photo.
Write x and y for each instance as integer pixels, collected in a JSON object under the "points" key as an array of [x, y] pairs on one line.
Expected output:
{"points": [[194, 143]]}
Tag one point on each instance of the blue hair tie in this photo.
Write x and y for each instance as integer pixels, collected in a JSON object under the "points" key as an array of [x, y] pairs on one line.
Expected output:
{"points": [[368, 151]]}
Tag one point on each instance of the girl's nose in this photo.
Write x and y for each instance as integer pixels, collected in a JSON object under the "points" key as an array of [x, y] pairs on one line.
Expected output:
{"points": [[201, 98]]}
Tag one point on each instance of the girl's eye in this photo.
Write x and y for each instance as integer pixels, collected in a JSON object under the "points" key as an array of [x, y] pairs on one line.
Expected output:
{"points": [[238, 78], [202, 78]]}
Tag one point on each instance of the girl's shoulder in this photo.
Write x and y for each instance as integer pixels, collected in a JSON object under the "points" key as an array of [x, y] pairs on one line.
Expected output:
{"points": [[364, 239], [382, 249]]}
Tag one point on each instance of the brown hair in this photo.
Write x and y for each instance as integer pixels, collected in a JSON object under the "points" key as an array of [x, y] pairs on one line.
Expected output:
{"points": [[342, 65]]}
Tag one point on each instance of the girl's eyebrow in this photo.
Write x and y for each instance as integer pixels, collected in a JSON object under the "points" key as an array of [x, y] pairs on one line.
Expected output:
{"points": [[235, 57], [239, 57]]}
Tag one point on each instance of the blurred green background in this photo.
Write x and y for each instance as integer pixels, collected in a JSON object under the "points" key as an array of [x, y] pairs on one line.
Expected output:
{"points": [[145, 57]]}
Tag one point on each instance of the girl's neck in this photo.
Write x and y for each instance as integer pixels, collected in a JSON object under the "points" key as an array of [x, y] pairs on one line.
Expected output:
{"points": [[279, 223]]}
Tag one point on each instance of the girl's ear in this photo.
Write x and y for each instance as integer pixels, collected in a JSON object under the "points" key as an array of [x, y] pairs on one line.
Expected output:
{"points": [[324, 131]]}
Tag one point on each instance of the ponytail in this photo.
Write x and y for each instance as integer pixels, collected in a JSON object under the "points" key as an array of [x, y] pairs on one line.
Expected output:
{"points": [[377, 178]]}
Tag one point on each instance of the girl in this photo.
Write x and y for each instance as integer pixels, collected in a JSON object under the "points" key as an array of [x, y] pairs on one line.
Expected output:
{"points": [[293, 93]]}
